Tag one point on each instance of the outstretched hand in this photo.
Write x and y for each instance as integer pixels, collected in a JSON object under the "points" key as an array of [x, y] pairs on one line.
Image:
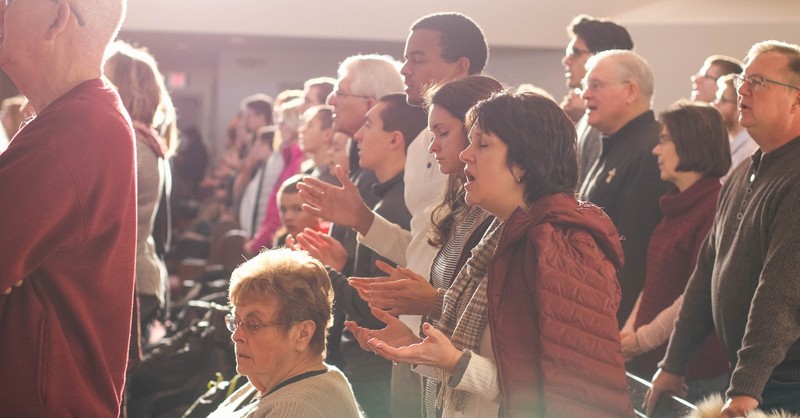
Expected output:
{"points": [[435, 350], [738, 406], [664, 382], [291, 243], [323, 247], [403, 292], [396, 332], [340, 205]]}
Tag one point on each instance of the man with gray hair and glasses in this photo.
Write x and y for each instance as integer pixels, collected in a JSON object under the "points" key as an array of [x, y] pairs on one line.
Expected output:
{"points": [[745, 284], [68, 235], [362, 81]]}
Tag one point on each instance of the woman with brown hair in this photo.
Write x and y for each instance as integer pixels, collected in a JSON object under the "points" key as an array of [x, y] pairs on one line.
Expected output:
{"points": [[693, 153], [453, 220], [528, 327]]}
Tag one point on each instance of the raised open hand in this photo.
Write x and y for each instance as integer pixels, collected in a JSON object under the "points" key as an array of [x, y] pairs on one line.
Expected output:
{"points": [[395, 332], [323, 247], [435, 350], [403, 292], [341, 205]]}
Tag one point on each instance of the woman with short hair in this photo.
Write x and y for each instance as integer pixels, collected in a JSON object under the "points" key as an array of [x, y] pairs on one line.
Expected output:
{"points": [[693, 154], [528, 327], [281, 302]]}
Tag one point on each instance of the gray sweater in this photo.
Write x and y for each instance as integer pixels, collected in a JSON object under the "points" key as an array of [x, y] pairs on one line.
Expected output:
{"points": [[746, 285]]}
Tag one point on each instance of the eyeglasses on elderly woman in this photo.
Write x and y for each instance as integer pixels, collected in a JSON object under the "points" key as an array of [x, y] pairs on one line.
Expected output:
{"points": [[250, 326]]}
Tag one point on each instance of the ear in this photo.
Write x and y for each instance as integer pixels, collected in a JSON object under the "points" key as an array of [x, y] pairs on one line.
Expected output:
{"points": [[796, 104], [302, 333], [397, 141], [462, 67], [60, 22], [633, 92], [518, 173], [327, 134], [370, 103]]}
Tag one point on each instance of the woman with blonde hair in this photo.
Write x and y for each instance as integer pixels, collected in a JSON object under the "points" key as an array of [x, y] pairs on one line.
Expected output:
{"points": [[135, 74], [285, 162]]}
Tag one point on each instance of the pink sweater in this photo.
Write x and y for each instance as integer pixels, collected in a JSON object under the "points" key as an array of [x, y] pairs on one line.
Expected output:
{"points": [[292, 158]]}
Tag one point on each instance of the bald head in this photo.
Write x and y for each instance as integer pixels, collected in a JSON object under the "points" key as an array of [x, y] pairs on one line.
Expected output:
{"points": [[102, 20], [49, 47]]}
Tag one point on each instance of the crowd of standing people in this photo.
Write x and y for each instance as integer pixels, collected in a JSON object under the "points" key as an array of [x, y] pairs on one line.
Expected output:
{"points": [[420, 239]]}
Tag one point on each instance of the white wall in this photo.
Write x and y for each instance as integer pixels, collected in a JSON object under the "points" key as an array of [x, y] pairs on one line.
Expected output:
{"points": [[527, 39], [677, 51], [221, 77]]}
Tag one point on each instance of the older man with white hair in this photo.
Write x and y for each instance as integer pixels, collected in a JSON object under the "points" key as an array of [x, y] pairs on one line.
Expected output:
{"points": [[68, 205], [625, 180]]}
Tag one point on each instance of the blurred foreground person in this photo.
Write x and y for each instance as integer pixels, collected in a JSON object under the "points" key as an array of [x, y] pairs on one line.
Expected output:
{"points": [[68, 236]]}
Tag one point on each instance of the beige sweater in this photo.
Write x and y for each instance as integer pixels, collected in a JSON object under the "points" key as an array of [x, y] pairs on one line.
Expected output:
{"points": [[327, 395]]}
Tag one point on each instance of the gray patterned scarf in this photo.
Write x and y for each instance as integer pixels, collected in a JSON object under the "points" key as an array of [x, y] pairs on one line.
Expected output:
{"points": [[464, 311]]}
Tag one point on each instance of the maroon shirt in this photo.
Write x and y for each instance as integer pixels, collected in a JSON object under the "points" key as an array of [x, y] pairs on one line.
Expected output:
{"points": [[68, 228], [671, 258]]}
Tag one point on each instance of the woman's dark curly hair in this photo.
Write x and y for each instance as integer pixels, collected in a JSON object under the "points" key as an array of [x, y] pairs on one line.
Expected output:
{"points": [[456, 97]]}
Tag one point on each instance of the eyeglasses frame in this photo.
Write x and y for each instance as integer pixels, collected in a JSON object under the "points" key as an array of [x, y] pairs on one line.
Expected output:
{"points": [[740, 79], [232, 324]]}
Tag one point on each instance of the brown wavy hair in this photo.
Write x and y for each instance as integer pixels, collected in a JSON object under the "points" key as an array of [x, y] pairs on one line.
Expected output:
{"points": [[456, 97]]}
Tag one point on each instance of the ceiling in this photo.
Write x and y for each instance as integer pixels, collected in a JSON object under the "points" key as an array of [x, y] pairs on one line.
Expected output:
{"points": [[508, 23]]}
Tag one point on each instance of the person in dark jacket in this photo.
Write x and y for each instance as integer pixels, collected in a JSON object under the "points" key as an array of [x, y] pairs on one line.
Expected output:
{"points": [[624, 180], [528, 327], [383, 140], [745, 284]]}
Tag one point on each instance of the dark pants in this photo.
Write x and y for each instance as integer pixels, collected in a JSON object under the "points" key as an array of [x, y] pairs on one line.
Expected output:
{"points": [[781, 395]]}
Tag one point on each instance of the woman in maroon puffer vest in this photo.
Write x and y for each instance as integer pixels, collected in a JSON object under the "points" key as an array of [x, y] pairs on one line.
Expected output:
{"points": [[528, 327]]}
